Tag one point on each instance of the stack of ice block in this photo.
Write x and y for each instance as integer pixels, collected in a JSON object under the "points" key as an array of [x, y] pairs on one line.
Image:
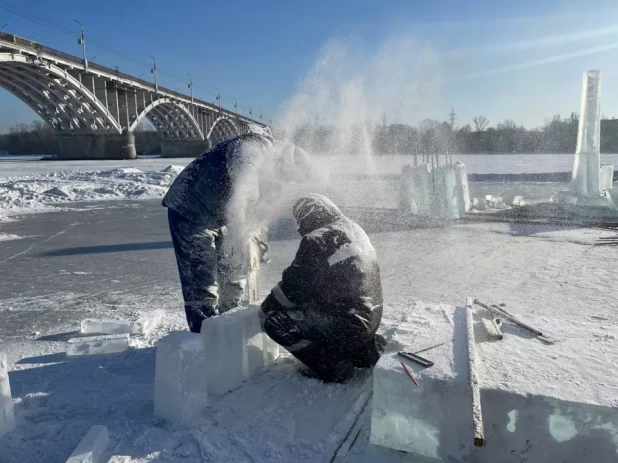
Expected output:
{"points": [[230, 349], [180, 377], [237, 348], [91, 447], [7, 416]]}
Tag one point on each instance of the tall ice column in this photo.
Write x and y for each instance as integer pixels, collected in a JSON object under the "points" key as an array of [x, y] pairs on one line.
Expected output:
{"points": [[585, 178]]}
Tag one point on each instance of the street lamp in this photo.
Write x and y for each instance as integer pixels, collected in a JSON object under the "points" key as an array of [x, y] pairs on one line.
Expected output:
{"points": [[153, 71], [191, 86], [250, 112], [93, 58], [260, 117], [218, 98], [140, 75], [236, 107], [82, 41], [2, 28]]}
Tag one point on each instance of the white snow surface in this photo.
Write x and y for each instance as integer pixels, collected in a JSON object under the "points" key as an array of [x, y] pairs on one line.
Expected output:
{"points": [[558, 286], [39, 192], [7, 237]]}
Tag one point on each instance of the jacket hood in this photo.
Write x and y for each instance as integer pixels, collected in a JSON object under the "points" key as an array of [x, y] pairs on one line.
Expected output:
{"points": [[314, 211]]}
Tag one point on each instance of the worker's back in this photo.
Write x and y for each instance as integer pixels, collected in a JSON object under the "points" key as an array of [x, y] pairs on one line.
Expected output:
{"points": [[202, 191], [336, 268]]}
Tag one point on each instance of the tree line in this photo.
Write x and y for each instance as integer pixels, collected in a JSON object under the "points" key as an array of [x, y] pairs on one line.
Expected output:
{"points": [[559, 135]]}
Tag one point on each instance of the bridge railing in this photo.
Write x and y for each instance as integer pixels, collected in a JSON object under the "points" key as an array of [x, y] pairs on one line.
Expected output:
{"points": [[39, 48]]}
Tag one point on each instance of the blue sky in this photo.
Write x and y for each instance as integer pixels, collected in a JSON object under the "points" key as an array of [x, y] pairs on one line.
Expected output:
{"points": [[519, 60]]}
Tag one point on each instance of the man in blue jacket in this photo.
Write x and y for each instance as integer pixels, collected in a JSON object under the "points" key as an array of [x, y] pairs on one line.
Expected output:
{"points": [[224, 194], [328, 306]]}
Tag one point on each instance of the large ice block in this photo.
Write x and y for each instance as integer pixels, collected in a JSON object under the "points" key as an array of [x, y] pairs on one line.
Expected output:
{"points": [[91, 447], [237, 348], [585, 177], [100, 326], [7, 414], [119, 459], [434, 419], [181, 376], [463, 190], [93, 345]]}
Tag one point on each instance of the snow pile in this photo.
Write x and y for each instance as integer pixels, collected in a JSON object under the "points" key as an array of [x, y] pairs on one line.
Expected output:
{"points": [[7, 237], [38, 192]]}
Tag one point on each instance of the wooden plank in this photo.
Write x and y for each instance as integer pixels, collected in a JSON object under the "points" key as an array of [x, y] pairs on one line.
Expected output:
{"points": [[477, 412]]}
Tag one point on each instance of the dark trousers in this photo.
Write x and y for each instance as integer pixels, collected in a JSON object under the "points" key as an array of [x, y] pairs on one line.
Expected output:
{"points": [[208, 287], [330, 346]]}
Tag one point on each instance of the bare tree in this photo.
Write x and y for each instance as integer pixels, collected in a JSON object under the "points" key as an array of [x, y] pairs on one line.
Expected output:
{"points": [[481, 123]]}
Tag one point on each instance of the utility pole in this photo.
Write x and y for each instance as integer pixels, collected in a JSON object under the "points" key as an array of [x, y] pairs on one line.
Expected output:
{"points": [[82, 41], [153, 71], [191, 87], [453, 118]]}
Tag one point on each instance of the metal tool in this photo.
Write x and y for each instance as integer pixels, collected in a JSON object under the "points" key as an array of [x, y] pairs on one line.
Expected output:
{"points": [[416, 359], [512, 319]]}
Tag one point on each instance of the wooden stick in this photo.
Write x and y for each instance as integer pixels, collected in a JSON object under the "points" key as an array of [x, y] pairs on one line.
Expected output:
{"points": [[410, 374], [477, 412]]}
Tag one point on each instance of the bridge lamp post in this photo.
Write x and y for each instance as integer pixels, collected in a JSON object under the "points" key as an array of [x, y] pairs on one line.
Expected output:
{"points": [[250, 112], [153, 71], [82, 41], [236, 108], [218, 98], [190, 86], [2, 28], [260, 117]]}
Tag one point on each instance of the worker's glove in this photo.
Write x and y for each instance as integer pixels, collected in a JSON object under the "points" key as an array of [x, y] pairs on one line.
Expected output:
{"points": [[285, 330]]}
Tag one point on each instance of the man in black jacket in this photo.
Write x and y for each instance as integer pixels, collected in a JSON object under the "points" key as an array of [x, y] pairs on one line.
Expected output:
{"points": [[224, 197], [328, 306]]}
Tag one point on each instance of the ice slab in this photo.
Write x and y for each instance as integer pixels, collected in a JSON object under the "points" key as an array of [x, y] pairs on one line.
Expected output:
{"points": [[147, 323], [119, 459], [91, 447], [540, 402], [93, 345], [98, 326], [181, 377], [237, 347], [435, 418], [586, 166], [7, 414], [606, 176], [142, 325]]}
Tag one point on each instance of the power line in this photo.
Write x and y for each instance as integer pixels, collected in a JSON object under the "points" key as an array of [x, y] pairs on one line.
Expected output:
{"points": [[452, 118]]}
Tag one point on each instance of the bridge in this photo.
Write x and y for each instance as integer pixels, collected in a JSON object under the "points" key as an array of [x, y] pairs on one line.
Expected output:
{"points": [[95, 110]]}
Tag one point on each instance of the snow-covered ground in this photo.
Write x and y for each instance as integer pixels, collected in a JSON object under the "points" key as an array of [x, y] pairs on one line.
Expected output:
{"points": [[114, 260], [110, 263]]}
